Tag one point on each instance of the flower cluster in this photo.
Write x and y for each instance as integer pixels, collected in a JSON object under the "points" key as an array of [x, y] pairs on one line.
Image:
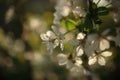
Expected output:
{"points": [[91, 45], [52, 39]]}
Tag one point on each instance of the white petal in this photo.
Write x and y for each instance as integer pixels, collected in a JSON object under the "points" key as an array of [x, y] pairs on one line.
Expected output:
{"points": [[102, 2], [51, 35], [65, 11], [81, 36], [92, 43], [50, 46], [69, 64], [62, 59], [78, 61], [56, 43], [55, 29], [92, 38], [61, 46], [90, 48], [89, 51], [104, 44], [75, 69], [92, 60], [79, 51], [110, 38], [101, 61], [106, 53], [44, 37]]}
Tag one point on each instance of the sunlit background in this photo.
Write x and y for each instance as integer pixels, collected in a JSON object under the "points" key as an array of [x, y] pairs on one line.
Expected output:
{"points": [[23, 56]]}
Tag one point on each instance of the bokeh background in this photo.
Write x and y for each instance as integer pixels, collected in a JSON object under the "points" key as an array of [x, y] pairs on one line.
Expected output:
{"points": [[22, 54]]}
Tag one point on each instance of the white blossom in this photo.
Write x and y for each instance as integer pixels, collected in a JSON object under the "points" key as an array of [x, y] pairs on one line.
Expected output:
{"points": [[52, 39], [95, 42], [71, 63], [63, 60], [77, 67], [99, 58], [47, 38], [91, 44], [59, 37]]}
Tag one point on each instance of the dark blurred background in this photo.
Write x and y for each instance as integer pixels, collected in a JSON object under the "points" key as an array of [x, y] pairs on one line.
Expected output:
{"points": [[22, 55]]}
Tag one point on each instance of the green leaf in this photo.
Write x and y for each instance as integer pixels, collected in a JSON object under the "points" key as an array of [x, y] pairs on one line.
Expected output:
{"points": [[69, 24], [97, 20], [94, 6], [88, 25], [103, 11]]}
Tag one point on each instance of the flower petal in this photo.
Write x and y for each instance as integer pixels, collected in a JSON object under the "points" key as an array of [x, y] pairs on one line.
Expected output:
{"points": [[78, 61], [50, 46], [69, 64], [61, 46], [104, 44], [101, 61], [62, 59], [92, 37], [81, 36], [56, 43], [51, 35], [106, 53], [76, 69], [79, 51], [65, 11], [55, 30], [92, 60], [44, 37]]}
